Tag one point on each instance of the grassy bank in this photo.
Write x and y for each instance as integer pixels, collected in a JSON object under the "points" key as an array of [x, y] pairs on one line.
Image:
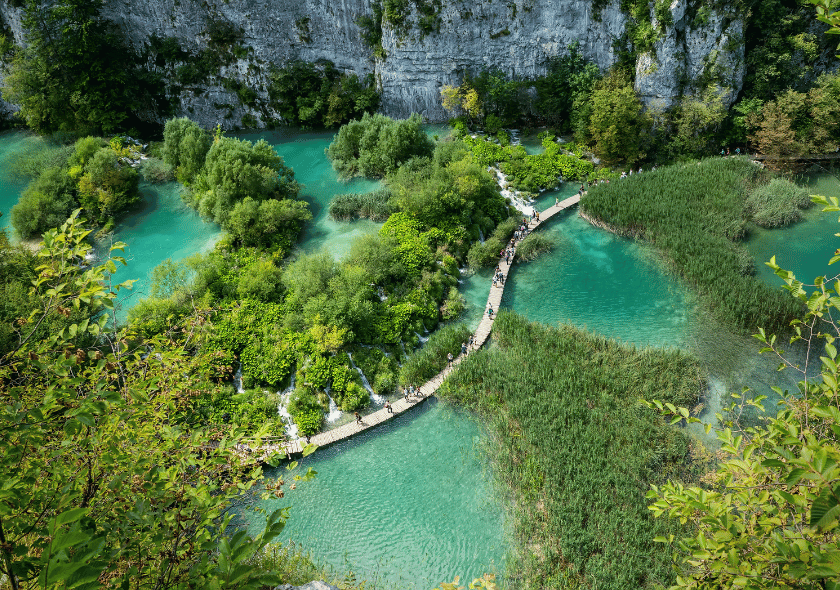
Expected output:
{"points": [[577, 451], [696, 213]]}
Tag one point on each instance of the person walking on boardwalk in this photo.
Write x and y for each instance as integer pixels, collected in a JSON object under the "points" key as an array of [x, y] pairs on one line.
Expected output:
{"points": [[388, 407], [464, 348], [490, 312], [449, 357], [405, 392], [358, 417]]}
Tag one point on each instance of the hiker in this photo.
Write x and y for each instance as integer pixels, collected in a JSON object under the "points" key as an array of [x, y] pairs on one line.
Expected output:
{"points": [[449, 357], [737, 151], [722, 153], [358, 417], [490, 312], [388, 407], [727, 151], [464, 348], [405, 392], [556, 202]]}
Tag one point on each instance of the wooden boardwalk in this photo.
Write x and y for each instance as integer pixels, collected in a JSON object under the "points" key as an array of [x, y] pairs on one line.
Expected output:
{"points": [[265, 451]]}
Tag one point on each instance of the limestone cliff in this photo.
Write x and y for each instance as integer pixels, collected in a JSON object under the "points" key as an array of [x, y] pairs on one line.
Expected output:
{"points": [[516, 36]]}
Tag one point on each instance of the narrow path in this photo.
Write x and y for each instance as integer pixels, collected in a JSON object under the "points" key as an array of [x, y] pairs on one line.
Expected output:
{"points": [[428, 389]]}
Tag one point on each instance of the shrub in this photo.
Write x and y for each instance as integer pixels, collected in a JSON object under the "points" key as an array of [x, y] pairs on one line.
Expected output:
{"points": [[377, 145], [488, 252], [155, 171], [423, 364], [185, 147], [309, 422], [46, 203]]}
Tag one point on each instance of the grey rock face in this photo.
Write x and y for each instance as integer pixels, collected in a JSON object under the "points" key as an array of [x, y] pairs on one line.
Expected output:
{"points": [[516, 36]]}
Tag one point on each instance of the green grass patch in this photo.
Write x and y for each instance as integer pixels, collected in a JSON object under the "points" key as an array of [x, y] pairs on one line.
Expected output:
{"points": [[695, 213], [423, 364], [374, 205], [487, 253], [577, 451]]}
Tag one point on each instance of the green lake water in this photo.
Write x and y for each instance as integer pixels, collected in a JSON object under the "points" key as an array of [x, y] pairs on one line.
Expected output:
{"points": [[407, 504]]}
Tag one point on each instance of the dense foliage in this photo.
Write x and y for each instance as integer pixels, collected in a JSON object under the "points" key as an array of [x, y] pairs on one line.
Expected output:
{"points": [[577, 451], [533, 173], [767, 516], [694, 213], [319, 95], [76, 73], [375, 145], [244, 187], [95, 175], [430, 360], [102, 480]]}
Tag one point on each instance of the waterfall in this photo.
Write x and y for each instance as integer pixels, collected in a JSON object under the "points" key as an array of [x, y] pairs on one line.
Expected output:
{"points": [[422, 339], [291, 427], [377, 399], [335, 412], [237, 379]]}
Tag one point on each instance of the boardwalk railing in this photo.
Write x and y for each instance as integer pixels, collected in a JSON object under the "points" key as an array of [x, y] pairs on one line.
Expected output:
{"points": [[265, 451]]}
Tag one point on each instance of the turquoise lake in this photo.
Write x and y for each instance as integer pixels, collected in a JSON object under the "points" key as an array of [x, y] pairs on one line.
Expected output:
{"points": [[410, 503]]}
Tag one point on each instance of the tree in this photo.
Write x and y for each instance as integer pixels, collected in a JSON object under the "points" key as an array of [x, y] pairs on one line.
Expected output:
{"points": [[618, 122], [185, 147], [101, 483], [770, 516], [76, 74]]}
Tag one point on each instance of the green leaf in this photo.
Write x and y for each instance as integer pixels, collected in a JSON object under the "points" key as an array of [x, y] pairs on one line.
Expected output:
{"points": [[69, 516], [824, 511]]}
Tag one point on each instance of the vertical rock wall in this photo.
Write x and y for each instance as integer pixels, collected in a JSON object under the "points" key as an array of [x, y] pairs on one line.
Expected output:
{"points": [[516, 36]]}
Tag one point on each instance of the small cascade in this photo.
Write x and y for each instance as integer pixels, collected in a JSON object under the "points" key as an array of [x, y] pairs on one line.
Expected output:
{"points": [[237, 379], [480, 236], [334, 413], [422, 339], [375, 398], [282, 409]]}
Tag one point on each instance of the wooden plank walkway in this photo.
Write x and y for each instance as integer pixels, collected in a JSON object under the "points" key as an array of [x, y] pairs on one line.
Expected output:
{"points": [[266, 451]]}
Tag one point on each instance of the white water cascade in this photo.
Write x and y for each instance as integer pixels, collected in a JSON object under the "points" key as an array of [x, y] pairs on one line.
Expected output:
{"points": [[237, 379], [375, 398], [335, 412], [282, 409]]}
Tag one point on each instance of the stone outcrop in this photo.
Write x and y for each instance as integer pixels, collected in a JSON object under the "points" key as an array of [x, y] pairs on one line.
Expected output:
{"points": [[516, 36]]}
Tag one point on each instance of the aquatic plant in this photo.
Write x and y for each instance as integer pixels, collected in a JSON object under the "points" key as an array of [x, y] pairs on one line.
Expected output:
{"points": [[532, 246], [373, 205], [576, 451], [777, 203], [695, 213]]}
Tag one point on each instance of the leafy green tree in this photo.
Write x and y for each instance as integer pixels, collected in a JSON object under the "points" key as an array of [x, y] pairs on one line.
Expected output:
{"points": [[566, 85], [376, 145], [770, 516], [271, 222], [45, 203], [100, 481], [618, 122], [185, 147], [107, 187], [235, 169], [76, 74], [696, 125]]}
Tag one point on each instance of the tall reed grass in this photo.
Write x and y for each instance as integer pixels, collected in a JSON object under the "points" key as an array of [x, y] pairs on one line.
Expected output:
{"points": [[532, 246], [695, 213], [373, 205], [577, 452]]}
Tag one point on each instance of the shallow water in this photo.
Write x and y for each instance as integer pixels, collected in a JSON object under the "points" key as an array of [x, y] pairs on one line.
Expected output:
{"points": [[11, 144], [407, 504]]}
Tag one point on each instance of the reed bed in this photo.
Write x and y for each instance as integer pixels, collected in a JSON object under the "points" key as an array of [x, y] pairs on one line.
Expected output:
{"points": [[425, 363], [534, 245], [373, 205], [576, 451], [696, 213]]}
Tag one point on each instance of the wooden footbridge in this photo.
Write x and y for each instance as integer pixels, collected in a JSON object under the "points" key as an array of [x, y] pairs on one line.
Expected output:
{"points": [[268, 449]]}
